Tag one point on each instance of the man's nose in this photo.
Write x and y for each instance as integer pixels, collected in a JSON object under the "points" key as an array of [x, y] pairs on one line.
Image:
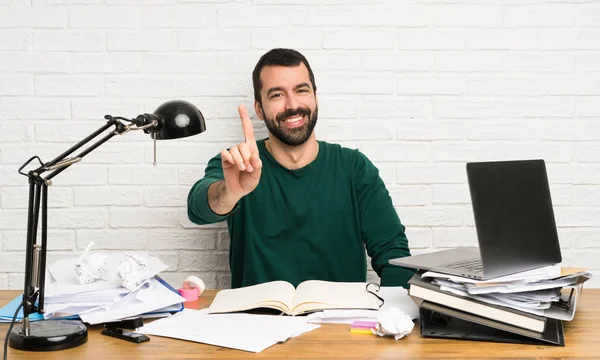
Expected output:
{"points": [[291, 102]]}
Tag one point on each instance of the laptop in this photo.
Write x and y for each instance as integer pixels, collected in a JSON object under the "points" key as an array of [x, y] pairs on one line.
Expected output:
{"points": [[514, 219]]}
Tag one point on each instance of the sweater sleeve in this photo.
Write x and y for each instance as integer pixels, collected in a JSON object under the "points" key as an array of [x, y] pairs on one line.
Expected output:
{"points": [[382, 231], [197, 201]]}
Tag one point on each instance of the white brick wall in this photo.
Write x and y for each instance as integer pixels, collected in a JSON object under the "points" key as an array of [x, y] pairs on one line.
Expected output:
{"points": [[421, 86]]}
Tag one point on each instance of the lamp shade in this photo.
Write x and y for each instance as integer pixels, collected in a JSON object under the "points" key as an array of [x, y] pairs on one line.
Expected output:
{"points": [[178, 119]]}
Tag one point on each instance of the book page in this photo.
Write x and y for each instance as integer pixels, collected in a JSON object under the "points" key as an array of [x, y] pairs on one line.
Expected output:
{"points": [[275, 295], [319, 295]]}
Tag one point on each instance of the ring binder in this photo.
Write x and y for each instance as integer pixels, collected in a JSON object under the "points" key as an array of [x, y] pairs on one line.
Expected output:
{"points": [[562, 303], [441, 322]]}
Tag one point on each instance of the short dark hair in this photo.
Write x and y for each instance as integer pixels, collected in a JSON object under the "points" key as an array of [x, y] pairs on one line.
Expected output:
{"points": [[279, 57]]}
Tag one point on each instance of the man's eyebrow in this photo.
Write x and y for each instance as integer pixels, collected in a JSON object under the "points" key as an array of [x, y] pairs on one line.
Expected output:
{"points": [[279, 88], [301, 86], [273, 89]]}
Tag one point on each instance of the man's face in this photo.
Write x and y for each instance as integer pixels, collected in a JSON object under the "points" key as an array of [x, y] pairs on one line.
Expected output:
{"points": [[289, 106]]}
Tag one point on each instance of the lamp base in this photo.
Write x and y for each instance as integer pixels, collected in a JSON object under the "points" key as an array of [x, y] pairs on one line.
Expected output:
{"points": [[49, 335]]}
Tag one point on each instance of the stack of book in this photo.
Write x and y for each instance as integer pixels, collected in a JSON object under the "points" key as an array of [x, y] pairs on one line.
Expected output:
{"points": [[523, 310]]}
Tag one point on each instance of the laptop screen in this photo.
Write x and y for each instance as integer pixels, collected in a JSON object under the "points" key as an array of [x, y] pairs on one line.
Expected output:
{"points": [[513, 214]]}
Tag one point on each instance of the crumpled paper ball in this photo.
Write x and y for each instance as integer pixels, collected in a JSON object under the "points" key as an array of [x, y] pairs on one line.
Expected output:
{"points": [[132, 271], [393, 321], [91, 267]]}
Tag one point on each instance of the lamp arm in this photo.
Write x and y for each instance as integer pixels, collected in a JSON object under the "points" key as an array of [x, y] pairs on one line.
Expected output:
{"points": [[35, 256], [66, 164]]}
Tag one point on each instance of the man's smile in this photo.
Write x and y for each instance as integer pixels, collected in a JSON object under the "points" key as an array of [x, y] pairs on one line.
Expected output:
{"points": [[294, 121]]}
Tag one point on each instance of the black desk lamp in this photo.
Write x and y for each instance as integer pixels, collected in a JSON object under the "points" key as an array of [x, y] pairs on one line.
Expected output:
{"points": [[172, 120]]}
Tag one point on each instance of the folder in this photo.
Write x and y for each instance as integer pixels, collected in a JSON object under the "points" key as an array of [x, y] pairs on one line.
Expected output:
{"points": [[8, 311], [438, 321]]}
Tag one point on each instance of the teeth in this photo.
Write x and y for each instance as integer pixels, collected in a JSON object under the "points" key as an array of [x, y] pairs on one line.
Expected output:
{"points": [[294, 119]]}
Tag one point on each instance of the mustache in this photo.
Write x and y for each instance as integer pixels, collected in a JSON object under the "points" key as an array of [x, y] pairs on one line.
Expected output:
{"points": [[292, 112]]}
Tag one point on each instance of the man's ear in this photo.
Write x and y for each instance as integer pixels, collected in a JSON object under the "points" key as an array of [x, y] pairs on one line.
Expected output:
{"points": [[258, 110]]}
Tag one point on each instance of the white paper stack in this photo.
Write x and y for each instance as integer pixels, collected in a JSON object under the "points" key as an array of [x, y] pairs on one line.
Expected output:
{"points": [[539, 292], [240, 331], [106, 300], [393, 296], [152, 297]]}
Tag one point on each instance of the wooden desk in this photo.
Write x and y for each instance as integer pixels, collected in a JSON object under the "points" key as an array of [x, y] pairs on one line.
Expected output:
{"points": [[582, 338]]}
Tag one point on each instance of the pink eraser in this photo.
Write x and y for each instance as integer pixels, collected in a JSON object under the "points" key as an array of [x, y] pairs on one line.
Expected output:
{"points": [[190, 294]]}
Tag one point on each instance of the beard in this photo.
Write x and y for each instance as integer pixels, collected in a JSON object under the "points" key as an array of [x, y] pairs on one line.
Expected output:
{"points": [[296, 136]]}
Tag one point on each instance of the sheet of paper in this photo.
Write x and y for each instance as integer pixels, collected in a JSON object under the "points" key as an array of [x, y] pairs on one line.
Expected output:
{"points": [[547, 272], [572, 271], [64, 310], [539, 285], [491, 299], [342, 316], [547, 295], [341, 320], [246, 332], [99, 296]]}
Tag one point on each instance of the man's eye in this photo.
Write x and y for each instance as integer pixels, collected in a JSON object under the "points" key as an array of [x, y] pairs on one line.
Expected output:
{"points": [[275, 95], [303, 90]]}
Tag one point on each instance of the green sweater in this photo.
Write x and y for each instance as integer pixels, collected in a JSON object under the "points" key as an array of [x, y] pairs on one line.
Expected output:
{"points": [[311, 223]]}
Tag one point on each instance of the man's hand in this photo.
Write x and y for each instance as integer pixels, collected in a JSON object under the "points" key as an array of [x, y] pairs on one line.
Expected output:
{"points": [[241, 169]]}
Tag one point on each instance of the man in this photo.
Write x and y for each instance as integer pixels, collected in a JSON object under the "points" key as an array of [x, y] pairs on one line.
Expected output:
{"points": [[297, 208]]}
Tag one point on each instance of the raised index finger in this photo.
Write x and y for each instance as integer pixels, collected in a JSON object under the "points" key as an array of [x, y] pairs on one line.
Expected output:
{"points": [[246, 124]]}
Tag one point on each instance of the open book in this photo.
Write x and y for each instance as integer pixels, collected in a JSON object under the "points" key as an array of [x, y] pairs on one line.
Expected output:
{"points": [[309, 296]]}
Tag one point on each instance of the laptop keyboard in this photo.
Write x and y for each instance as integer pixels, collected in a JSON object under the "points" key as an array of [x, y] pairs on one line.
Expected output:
{"points": [[474, 265]]}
